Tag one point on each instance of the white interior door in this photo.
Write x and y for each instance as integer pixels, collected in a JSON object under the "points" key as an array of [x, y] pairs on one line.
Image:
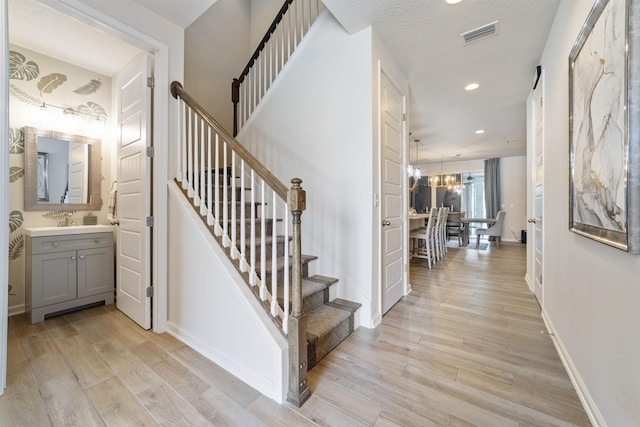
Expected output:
{"points": [[392, 241], [78, 178], [537, 178], [134, 195]]}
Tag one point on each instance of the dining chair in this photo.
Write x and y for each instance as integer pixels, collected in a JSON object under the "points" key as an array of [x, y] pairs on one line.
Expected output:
{"points": [[455, 227], [443, 230], [438, 232], [424, 234], [495, 230]]}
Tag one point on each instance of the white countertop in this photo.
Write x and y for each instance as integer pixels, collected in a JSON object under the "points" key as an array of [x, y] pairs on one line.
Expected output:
{"points": [[62, 231]]}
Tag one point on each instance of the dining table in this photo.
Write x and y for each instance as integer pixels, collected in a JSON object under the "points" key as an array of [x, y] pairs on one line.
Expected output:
{"points": [[468, 221]]}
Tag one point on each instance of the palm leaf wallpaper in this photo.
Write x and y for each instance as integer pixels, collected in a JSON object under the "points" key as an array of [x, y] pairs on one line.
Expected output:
{"points": [[47, 84], [15, 220], [37, 79], [20, 68], [90, 88], [16, 141]]}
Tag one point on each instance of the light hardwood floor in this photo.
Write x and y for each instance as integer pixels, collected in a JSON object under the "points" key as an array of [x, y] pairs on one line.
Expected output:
{"points": [[464, 348]]}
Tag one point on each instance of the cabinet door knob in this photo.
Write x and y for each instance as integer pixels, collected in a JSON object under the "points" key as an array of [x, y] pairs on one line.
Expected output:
{"points": [[96, 241], [56, 244], [81, 257], [73, 257]]}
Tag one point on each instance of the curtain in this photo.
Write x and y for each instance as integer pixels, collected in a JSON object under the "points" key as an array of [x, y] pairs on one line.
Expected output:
{"points": [[492, 187]]}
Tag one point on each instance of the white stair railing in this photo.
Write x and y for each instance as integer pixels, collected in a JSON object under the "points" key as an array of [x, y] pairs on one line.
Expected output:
{"points": [[274, 50], [216, 172]]}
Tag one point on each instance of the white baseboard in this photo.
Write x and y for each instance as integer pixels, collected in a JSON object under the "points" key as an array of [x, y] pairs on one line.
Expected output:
{"points": [[16, 309], [585, 397]]}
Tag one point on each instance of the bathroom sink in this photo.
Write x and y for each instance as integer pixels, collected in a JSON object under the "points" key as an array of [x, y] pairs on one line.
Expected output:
{"points": [[61, 231]]}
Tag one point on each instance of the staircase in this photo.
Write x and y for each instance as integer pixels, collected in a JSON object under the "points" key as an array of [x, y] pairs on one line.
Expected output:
{"points": [[254, 217], [329, 322]]}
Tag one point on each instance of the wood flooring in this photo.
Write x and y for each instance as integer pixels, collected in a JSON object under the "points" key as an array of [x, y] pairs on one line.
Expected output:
{"points": [[464, 348]]}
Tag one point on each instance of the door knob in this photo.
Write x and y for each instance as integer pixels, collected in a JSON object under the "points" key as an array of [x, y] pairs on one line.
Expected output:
{"points": [[531, 220], [386, 222]]}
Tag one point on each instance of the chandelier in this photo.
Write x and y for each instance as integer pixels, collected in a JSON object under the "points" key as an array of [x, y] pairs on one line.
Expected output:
{"points": [[447, 180], [413, 171]]}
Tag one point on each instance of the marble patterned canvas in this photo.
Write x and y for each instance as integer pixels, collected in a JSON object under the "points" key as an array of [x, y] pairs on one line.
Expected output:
{"points": [[599, 126]]}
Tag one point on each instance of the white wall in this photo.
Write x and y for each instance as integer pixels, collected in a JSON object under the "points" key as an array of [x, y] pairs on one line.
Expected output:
{"points": [[591, 291], [213, 310], [513, 184], [316, 124], [216, 51]]}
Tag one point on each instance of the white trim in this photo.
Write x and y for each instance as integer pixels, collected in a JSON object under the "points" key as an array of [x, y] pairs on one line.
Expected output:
{"points": [[17, 309], [274, 387], [84, 13], [4, 199], [585, 397]]}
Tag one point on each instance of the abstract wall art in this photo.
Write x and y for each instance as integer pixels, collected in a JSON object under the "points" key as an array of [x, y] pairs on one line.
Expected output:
{"points": [[604, 126]]}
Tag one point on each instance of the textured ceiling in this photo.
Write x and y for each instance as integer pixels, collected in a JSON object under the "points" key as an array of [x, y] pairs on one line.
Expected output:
{"points": [[180, 12], [45, 30], [424, 36]]}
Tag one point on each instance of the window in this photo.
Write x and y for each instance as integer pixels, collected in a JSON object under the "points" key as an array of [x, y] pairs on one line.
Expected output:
{"points": [[473, 195]]}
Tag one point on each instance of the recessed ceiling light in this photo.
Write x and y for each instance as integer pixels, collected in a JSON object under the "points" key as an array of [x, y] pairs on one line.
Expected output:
{"points": [[453, 1], [472, 86], [479, 131]]}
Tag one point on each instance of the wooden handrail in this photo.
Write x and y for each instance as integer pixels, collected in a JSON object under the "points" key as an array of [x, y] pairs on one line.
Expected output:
{"points": [[271, 180]]}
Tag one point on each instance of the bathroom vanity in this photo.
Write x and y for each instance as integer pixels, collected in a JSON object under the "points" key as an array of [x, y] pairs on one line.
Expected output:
{"points": [[68, 268]]}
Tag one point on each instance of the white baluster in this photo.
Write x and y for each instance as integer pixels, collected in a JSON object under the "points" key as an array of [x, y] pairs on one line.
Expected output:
{"points": [[180, 139], [190, 156], [203, 172], [196, 163], [209, 186], [225, 198], [274, 259], [263, 246], [216, 188], [243, 222], [234, 214], [252, 274]]}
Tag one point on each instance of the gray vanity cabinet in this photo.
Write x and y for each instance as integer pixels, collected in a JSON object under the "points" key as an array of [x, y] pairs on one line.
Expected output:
{"points": [[65, 272]]}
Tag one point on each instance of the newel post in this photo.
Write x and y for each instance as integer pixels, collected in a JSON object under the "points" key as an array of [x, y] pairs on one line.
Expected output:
{"points": [[235, 98], [297, 328]]}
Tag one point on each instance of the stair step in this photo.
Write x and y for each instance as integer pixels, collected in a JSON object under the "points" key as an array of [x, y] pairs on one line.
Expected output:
{"points": [[345, 305], [315, 291], [327, 327]]}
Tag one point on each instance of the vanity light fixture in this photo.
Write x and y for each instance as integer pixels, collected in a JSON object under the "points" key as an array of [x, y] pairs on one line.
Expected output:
{"points": [[480, 131], [472, 86], [71, 111]]}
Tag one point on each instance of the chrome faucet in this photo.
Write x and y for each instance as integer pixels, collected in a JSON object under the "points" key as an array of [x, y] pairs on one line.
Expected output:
{"points": [[66, 220]]}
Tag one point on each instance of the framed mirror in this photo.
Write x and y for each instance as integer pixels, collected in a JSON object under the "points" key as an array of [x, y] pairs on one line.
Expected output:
{"points": [[61, 171]]}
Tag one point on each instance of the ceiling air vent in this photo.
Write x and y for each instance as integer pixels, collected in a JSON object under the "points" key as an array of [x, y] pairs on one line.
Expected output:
{"points": [[480, 32]]}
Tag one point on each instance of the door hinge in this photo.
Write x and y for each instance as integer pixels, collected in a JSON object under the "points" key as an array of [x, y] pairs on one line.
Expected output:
{"points": [[149, 292], [151, 82], [150, 221], [150, 152], [404, 117]]}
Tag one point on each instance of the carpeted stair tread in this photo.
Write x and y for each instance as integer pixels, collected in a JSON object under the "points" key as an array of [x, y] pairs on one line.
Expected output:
{"points": [[324, 319], [326, 328], [344, 304]]}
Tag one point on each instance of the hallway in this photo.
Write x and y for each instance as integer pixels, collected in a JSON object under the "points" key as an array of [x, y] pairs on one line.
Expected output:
{"points": [[464, 348]]}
